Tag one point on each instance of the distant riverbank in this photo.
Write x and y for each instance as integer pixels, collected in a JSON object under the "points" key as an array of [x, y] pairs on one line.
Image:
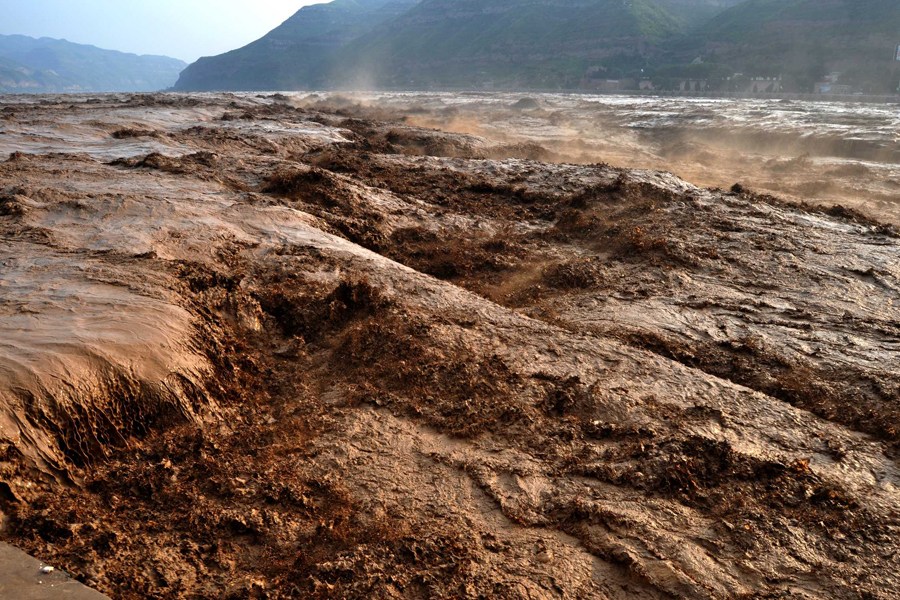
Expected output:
{"points": [[867, 98], [805, 97]]}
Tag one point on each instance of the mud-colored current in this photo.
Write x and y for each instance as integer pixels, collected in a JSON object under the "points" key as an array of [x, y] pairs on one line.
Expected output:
{"points": [[291, 346], [831, 152]]}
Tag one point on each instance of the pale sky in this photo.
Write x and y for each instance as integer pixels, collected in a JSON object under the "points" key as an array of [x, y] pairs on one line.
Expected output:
{"points": [[185, 29]]}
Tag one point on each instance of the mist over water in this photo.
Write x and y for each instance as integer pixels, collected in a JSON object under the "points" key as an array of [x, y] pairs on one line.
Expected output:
{"points": [[824, 152]]}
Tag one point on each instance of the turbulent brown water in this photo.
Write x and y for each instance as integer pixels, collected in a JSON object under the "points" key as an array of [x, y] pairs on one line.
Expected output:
{"points": [[296, 346], [831, 152]]}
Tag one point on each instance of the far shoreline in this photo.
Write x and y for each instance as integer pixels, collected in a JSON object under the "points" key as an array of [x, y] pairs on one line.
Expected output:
{"points": [[800, 97]]}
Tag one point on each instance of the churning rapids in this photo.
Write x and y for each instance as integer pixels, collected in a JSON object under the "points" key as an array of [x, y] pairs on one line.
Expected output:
{"points": [[834, 152], [434, 345]]}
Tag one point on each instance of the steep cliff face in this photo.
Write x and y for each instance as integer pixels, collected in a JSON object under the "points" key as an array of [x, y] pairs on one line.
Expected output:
{"points": [[296, 54], [50, 66]]}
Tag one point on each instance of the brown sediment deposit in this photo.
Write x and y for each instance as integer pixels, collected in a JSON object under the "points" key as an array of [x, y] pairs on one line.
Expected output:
{"points": [[256, 348]]}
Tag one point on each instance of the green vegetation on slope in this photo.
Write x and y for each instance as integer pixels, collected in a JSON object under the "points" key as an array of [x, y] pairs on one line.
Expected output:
{"points": [[805, 39], [694, 14], [502, 43], [543, 43], [564, 44]]}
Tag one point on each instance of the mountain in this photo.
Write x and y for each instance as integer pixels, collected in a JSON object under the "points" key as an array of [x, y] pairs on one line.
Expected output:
{"points": [[805, 39], [297, 53], [564, 44], [696, 13], [15, 77], [404, 43], [48, 65], [508, 43]]}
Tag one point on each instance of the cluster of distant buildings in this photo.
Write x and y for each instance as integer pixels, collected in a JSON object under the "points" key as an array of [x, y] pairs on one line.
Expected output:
{"points": [[830, 84], [595, 79], [738, 83]]}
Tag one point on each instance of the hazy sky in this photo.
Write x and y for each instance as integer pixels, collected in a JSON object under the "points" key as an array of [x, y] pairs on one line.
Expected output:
{"points": [[185, 29]]}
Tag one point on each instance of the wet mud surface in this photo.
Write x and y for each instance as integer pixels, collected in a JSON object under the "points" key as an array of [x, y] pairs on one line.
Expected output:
{"points": [[250, 349]]}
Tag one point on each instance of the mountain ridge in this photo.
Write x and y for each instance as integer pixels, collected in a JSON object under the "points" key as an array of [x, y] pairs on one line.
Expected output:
{"points": [[50, 65], [541, 43], [295, 52], [563, 44]]}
